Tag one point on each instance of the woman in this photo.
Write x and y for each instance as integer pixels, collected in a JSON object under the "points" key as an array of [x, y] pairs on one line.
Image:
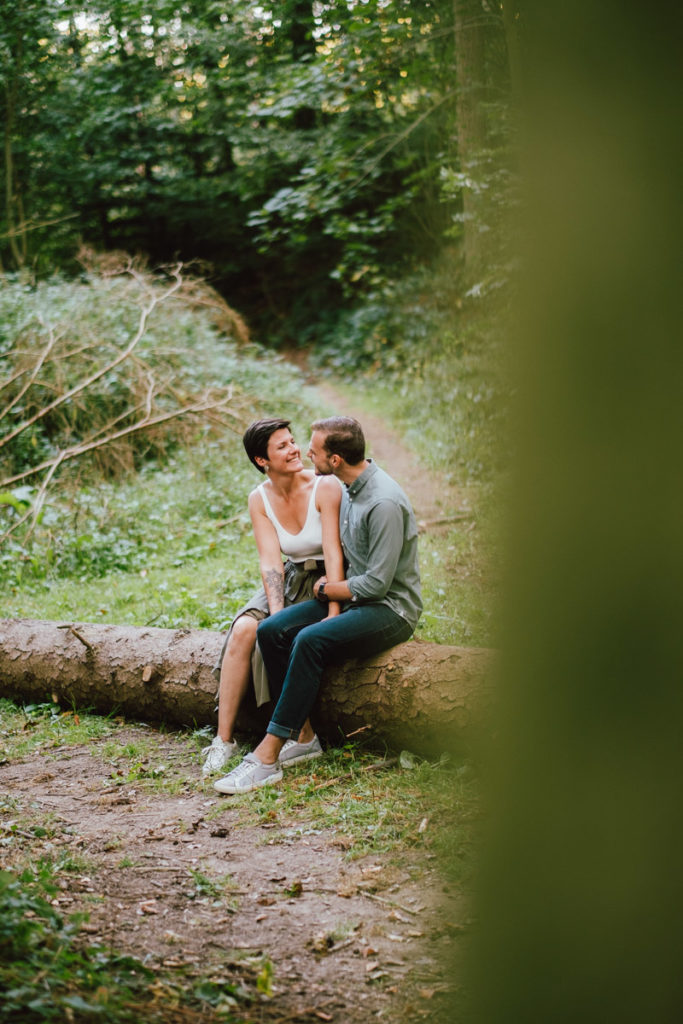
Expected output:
{"points": [[294, 513]]}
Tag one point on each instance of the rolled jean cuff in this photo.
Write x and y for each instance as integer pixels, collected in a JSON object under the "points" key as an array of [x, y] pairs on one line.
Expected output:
{"points": [[282, 731]]}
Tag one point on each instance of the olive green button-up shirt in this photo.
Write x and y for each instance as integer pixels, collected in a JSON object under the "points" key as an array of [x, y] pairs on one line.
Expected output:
{"points": [[379, 537]]}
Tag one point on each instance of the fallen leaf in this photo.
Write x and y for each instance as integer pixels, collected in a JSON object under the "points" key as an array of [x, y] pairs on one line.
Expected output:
{"points": [[148, 907], [372, 966], [395, 915], [322, 1015]]}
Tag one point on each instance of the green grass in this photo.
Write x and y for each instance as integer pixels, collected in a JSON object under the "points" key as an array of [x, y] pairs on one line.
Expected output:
{"points": [[196, 561], [45, 726], [375, 805]]}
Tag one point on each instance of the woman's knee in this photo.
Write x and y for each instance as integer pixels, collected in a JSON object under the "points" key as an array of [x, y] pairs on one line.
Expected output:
{"points": [[243, 634]]}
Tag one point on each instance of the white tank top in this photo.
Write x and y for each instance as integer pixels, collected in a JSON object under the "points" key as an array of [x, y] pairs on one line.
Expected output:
{"points": [[308, 542]]}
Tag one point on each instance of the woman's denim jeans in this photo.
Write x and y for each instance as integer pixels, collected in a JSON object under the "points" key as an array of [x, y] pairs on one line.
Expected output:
{"points": [[299, 642]]}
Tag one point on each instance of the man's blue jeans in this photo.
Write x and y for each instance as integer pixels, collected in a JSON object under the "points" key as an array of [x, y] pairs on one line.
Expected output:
{"points": [[299, 642]]}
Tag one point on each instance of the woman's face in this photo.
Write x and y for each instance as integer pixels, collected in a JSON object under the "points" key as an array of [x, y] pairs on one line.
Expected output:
{"points": [[284, 454]]}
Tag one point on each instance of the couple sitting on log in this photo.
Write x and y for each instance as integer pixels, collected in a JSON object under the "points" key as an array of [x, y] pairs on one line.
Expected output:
{"points": [[310, 613]]}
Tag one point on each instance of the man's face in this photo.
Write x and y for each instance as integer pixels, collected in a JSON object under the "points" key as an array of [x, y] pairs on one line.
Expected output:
{"points": [[318, 455]]}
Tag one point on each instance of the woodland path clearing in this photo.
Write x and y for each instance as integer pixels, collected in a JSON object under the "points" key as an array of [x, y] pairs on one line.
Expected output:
{"points": [[433, 499], [349, 940]]}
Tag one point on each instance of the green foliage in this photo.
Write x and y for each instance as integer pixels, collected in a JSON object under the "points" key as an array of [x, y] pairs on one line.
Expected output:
{"points": [[171, 544], [311, 143], [90, 527], [91, 359], [44, 974], [434, 362]]}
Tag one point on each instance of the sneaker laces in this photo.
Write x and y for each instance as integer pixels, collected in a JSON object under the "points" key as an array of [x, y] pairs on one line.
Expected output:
{"points": [[245, 766]]}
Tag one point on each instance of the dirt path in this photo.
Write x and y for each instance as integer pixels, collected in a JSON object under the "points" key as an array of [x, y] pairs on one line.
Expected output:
{"points": [[348, 941], [434, 500]]}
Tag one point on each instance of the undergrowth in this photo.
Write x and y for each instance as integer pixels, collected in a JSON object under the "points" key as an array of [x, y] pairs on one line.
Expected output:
{"points": [[169, 544]]}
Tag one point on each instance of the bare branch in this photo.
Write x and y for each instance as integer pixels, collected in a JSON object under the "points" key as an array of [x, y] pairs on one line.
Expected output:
{"points": [[201, 406], [82, 385], [41, 359], [29, 226]]}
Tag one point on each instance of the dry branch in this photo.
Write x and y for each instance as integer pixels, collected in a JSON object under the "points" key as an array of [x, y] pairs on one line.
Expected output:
{"points": [[107, 368]]}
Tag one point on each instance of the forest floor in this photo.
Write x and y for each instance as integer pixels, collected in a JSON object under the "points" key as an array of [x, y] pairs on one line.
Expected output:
{"points": [[306, 932], [183, 884]]}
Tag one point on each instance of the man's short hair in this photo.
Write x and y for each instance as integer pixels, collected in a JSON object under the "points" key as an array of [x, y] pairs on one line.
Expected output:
{"points": [[344, 437], [256, 438]]}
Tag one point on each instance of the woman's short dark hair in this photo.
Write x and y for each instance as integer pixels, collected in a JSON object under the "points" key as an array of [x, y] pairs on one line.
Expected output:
{"points": [[343, 437], [256, 438]]}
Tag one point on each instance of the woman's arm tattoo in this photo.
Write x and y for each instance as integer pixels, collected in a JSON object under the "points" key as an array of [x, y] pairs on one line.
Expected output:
{"points": [[274, 582]]}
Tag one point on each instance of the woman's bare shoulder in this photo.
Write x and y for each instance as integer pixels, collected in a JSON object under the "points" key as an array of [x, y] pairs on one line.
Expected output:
{"points": [[329, 489], [255, 500]]}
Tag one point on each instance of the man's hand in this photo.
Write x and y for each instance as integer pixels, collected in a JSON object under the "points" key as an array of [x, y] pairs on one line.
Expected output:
{"points": [[316, 588]]}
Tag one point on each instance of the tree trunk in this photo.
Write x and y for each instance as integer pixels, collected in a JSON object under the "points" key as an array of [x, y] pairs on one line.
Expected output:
{"points": [[472, 133], [421, 696]]}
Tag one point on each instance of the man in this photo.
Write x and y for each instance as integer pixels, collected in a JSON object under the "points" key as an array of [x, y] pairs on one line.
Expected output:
{"points": [[380, 600]]}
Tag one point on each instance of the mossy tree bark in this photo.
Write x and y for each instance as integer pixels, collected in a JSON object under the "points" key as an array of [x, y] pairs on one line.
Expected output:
{"points": [[425, 697]]}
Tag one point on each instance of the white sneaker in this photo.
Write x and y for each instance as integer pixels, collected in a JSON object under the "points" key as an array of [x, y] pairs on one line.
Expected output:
{"points": [[218, 755], [249, 774], [293, 752]]}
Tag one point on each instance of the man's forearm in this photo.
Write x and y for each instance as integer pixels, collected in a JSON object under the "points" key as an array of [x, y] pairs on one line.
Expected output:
{"points": [[338, 591]]}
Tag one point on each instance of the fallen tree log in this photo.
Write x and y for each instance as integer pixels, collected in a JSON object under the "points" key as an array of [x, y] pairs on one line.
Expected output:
{"points": [[421, 696]]}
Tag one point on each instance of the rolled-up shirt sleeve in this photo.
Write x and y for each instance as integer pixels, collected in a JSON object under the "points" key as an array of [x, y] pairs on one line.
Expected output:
{"points": [[384, 545]]}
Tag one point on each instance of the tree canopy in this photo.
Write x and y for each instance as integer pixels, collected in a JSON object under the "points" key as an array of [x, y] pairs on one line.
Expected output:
{"points": [[290, 144]]}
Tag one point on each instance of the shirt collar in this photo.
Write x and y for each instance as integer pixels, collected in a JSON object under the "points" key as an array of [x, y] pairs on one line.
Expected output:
{"points": [[361, 480]]}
